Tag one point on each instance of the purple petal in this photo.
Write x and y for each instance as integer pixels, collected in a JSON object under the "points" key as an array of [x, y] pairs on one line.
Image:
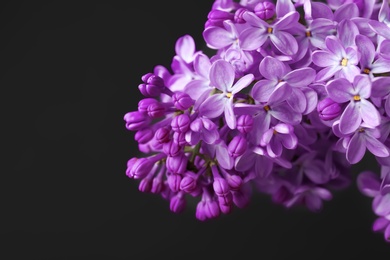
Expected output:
{"points": [[185, 48], [297, 100], [284, 113], [295, 79], [252, 38], [349, 72], [313, 202], [311, 100], [315, 172], [327, 73], [381, 205], [369, 113], [274, 148], [356, 148], [380, 28], [284, 128], [213, 106], [272, 68], [368, 183], [290, 141], [380, 224], [266, 137], [202, 65], [380, 87], [366, 49], [350, 119], [387, 106], [340, 90], [324, 58], [376, 147], [223, 157], [385, 185], [381, 65], [262, 90], [347, 31], [222, 75], [287, 21], [210, 137], [245, 161], [334, 45], [346, 11], [242, 83], [362, 85], [230, 117], [280, 93], [284, 42], [217, 37]]}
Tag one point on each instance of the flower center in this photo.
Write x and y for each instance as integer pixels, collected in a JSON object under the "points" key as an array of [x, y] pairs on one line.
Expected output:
{"points": [[366, 71], [267, 108], [308, 33], [229, 95], [344, 62], [356, 98], [270, 29]]}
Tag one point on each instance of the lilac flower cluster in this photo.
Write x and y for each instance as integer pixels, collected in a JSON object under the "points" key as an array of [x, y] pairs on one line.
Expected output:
{"points": [[296, 92]]}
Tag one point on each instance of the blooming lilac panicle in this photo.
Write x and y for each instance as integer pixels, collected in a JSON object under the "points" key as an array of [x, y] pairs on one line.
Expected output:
{"points": [[294, 94]]}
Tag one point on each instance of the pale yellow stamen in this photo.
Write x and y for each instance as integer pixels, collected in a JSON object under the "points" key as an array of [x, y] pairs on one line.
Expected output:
{"points": [[344, 62], [356, 98], [267, 108], [270, 30], [275, 132], [229, 95], [308, 34]]}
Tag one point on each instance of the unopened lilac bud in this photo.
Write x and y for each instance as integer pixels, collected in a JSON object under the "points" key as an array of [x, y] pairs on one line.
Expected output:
{"points": [[136, 120], [130, 164], [177, 164], [212, 208], [171, 148], [153, 85], [181, 123], [179, 138], [200, 212], [144, 135], [162, 135], [234, 182], [265, 10], [182, 101], [244, 123], [225, 209], [241, 198], [238, 15], [174, 182], [143, 104], [156, 110], [237, 146], [328, 109], [188, 184], [225, 200], [145, 185], [216, 17], [142, 168], [221, 187], [157, 185], [177, 203]]}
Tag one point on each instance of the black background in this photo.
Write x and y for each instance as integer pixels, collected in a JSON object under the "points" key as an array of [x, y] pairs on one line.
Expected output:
{"points": [[69, 72]]}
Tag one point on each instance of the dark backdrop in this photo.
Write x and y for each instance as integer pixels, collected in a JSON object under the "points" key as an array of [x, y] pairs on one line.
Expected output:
{"points": [[69, 72]]}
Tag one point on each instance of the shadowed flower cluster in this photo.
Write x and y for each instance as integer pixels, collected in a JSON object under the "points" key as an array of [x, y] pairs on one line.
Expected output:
{"points": [[295, 93]]}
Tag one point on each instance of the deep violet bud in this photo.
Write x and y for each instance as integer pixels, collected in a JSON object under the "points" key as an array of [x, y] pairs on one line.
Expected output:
{"points": [[141, 168], [156, 110], [145, 185], [182, 101], [237, 146], [238, 15], [177, 164], [144, 135], [178, 203], [162, 135], [157, 185], [153, 85], [221, 187], [244, 123], [179, 138], [130, 164], [265, 10], [174, 182], [171, 148], [136, 120], [143, 104], [234, 181], [181, 123], [216, 17], [188, 184], [328, 109]]}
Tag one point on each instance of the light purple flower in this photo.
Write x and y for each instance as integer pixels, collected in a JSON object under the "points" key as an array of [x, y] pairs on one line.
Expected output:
{"points": [[277, 137], [359, 107], [222, 78]]}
